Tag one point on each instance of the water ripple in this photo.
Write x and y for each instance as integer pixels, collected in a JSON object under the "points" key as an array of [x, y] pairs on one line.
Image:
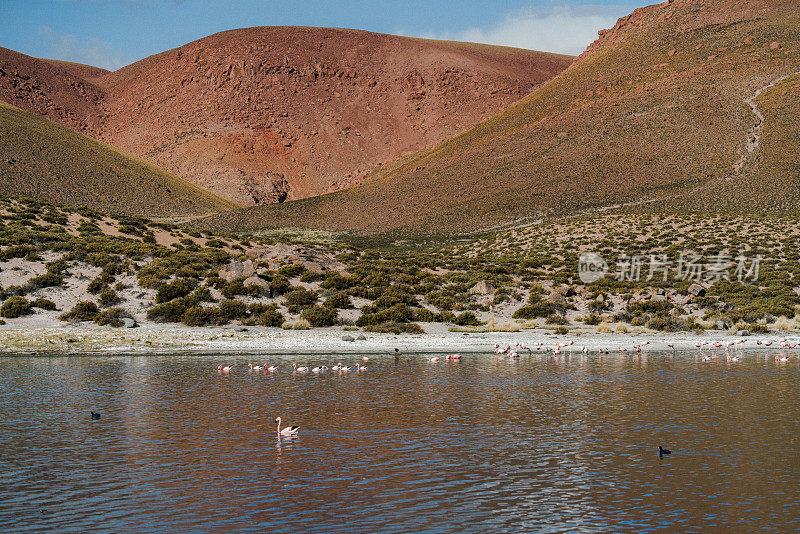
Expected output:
{"points": [[480, 445]]}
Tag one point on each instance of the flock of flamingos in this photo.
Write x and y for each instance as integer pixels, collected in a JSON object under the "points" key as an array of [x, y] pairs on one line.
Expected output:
{"points": [[732, 351]]}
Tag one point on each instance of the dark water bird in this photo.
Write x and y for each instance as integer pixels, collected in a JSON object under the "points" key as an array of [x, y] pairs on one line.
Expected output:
{"points": [[662, 451], [95, 416]]}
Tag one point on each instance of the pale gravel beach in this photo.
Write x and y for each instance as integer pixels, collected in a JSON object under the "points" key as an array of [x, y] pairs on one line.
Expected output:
{"points": [[49, 338]]}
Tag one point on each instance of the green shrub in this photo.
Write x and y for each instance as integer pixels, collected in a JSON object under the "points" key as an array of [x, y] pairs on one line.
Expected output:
{"points": [[203, 294], [467, 319], [15, 307], [57, 266], [425, 315], [556, 319], [338, 282], [395, 328], [17, 251], [171, 312], [112, 317], [533, 311], [177, 289], [198, 316], [270, 317], [44, 304], [233, 288], [96, 286], [309, 277], [108, 297], [320, 316], [339, 300], [232, 309], [301, 297], [290, 271], [592, 320], [82, 311], [279, 285], [47, 280]]}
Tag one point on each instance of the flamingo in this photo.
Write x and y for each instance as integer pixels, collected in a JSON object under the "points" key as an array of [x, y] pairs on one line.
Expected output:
{"points": [[365, 358], [255, 367], [288, 431], [433, 360], [299, 369], [316, 370], [272, 368], [360, 367], [226, 369]]}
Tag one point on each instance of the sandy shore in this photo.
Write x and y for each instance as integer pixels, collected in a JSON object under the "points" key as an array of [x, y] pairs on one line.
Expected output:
{"points": [[87, 338]]}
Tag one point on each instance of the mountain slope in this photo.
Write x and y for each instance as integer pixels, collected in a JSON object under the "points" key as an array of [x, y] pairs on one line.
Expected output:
{"points": [[655, 109], [267, 114], [54, 89], [46, 161]]}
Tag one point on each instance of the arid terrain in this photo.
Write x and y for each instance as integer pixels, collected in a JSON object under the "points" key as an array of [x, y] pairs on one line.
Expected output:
{"points": [[264, 115], [687, 105]]}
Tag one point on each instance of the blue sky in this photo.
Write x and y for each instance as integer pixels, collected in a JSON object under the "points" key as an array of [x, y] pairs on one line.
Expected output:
{"points": [[114, 33]]}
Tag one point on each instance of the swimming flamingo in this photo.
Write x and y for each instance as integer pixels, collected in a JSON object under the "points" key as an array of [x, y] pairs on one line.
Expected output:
{"points": [[255, 367], [226, 369], [272, 368], [288, 431], [299, 369]]}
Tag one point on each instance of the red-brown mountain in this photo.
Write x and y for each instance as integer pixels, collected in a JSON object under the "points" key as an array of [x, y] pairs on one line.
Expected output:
{"points": [[266, 114]]}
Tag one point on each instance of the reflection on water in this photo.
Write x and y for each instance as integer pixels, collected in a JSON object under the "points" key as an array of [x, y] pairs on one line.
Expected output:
{"points": [[481, 445]]}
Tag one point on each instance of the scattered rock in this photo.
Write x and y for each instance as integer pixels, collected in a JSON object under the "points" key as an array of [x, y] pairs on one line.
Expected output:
{"points": [[720, 324], [362, 337], [256, 281], [696, 290], [240, 329], [484, 287], [127, 322], [558, 295], [743, 333], [348, 337], [237, 269]]}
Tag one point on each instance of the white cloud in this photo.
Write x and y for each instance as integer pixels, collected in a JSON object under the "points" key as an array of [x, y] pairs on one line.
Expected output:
{"points": [[560, 29], [87, 50]]}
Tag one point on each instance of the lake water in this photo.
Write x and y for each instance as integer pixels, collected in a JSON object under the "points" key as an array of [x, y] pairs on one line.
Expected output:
{"points": [[481, 445]]}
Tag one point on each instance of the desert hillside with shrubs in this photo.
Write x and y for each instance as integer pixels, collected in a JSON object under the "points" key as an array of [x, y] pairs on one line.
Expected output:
{"points": [[60, 266]]}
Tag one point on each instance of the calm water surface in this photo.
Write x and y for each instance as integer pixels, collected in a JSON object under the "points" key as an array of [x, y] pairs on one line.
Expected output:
{"points": [[482, 445]]}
